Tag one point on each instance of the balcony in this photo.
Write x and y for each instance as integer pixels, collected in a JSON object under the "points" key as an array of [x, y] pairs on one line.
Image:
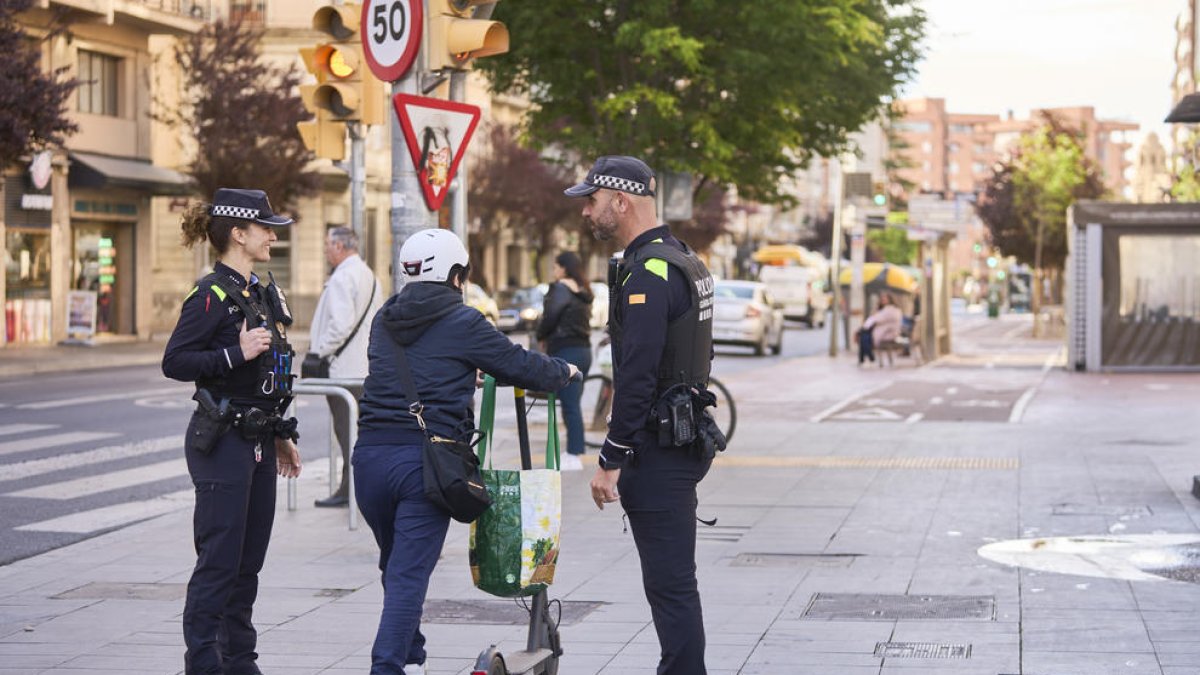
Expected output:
{"points": [[174, 17]]}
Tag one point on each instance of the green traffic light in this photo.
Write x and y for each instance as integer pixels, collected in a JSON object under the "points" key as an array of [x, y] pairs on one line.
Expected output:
{"points": [[991, 261], [1000, 275], [880, 200]]}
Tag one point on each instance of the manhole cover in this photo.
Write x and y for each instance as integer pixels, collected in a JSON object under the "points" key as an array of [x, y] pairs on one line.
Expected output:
{"points": [[800, 560], [921, 650], [499, 612], [1101, 510], [100, 590], [871, 607]]}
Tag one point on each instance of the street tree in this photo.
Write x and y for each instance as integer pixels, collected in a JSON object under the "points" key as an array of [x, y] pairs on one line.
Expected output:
{"points": [[241, 113], [1185, 183], [891, 245], [512, 186], [897, 162], [737, 93], [1024, 202], [34, 101]]}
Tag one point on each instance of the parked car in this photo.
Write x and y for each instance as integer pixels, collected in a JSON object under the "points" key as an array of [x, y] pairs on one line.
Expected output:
{"points": [[745, 313], [520, 308], [480, 300]]}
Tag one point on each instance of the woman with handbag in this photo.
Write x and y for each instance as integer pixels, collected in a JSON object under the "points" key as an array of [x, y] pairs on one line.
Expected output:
{"points": [[566, 330], [427, 335]]}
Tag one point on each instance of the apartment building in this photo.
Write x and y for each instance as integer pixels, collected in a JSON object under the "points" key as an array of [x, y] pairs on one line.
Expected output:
{"points": [[81, 225], [1183, 82]]}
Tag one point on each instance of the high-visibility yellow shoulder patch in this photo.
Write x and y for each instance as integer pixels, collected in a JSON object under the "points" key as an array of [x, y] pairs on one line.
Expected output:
{"points": [[656, 241], [637, 299], [657, 266], [191, 293], [220, 293]]}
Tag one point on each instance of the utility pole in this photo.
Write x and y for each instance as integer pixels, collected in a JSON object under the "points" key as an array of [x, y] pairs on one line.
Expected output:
{"points": [[358, 178], [458, 195], [835, 252], [408, 211]]}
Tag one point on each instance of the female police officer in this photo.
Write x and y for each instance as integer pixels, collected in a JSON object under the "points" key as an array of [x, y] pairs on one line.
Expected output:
{"points": [[231, 341], [444, 343]]}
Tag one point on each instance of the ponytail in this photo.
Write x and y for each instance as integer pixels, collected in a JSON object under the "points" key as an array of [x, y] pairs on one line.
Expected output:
{"points": [[198, 225]]}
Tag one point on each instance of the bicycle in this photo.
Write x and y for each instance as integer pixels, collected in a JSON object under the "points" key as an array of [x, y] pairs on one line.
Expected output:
{"points": [[597, 397]]}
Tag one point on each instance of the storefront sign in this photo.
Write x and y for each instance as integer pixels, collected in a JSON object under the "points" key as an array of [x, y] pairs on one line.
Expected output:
{"points": [[33, 202], [81, 313], [95, 207]]}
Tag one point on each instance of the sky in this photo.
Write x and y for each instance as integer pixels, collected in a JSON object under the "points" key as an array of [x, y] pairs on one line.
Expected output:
{"points": [[992, 56]]}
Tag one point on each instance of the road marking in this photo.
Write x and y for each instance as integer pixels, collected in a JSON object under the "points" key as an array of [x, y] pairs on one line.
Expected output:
{"points": [[114, 516], [868, 414], [53, 440], [1018, 409], [99, 398], [914, 418], [845, 402], [847, 462], [37, 467], [10, 429], [113, 480]]}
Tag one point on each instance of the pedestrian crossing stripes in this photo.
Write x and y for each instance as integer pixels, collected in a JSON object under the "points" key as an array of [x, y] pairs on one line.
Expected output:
{"points": [[113, 480], [52, 441], [116, 515], [99, 398], [11, 429], [37, 467]]}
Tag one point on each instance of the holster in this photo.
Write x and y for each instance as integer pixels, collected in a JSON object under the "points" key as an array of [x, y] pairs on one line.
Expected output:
{"points": [[681, 420], [204, 430]]}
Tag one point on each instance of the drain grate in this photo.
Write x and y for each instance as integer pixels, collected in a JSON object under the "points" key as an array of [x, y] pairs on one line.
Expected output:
{"points": [[725, 534], [499, 612], [872, 607], [795, 560], [101, 590], [1068, 509], [921, 650]]}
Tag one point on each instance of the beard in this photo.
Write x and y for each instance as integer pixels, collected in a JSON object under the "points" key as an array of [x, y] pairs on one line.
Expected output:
{"points": [[604, 225]]}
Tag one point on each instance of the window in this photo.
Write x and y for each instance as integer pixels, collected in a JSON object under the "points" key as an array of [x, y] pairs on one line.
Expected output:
{"points": [[927, 147], [914, 126], [953, 148], [953, 169], [961, 129], [98, 75], [981, 148], [979, 167]]}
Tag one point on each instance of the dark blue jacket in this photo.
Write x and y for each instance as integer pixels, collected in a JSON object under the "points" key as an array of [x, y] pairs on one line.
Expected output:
{"points": [[445, 342]]}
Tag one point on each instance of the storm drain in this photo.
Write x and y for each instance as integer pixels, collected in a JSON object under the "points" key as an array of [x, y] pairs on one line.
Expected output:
{"points": [[725, 534], [921, 650], [872, 607], [101, 590], [793, 560], [499, 612], [1101, 510]]}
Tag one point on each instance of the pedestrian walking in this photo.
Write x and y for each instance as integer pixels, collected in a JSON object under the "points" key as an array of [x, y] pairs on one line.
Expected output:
{"points": [[445, 343], [660, 322], [231, 340], [339, 336], [566, 329]]}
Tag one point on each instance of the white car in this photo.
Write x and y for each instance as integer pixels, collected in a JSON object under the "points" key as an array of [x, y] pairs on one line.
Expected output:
{"points": [[799, 290], [744, 313]]}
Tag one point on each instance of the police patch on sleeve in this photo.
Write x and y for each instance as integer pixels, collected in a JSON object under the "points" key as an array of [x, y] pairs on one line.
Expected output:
{"points": [[637, 299]]}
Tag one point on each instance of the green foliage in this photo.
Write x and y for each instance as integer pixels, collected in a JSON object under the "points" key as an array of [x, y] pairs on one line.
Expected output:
{"points": [[1024, 204], [892, 245], [1186, 184], [34, 102], [739, 93]]}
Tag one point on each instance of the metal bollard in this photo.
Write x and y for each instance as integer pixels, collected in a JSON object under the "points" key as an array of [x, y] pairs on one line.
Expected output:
{"points": [[339, 388]]}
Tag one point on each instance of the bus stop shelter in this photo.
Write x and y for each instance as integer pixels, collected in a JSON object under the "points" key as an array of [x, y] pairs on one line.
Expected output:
{"points": [[1133, 286]]}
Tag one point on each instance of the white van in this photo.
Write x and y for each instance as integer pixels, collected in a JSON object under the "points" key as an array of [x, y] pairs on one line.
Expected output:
{"points": [[799, 290]]}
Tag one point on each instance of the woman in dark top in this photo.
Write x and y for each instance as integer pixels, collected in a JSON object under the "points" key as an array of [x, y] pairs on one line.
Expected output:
{"points": [[566, 330]]}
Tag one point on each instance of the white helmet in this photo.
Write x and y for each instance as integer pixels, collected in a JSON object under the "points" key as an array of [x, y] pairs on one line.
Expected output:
{"points": [[429, 255]]}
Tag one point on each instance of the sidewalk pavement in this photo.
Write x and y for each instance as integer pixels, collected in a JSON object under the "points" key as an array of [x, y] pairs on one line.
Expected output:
{"points": [[808, 510]]}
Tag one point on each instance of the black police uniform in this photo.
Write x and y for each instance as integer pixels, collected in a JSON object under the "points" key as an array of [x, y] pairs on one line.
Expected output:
{"points": [[660, 320], [230, 454]]}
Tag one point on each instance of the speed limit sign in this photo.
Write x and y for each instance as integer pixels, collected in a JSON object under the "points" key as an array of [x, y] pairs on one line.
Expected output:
{"points": [[391, 35]]}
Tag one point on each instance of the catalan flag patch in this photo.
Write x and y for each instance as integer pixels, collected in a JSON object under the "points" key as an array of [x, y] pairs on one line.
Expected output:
{"points": [[637, 299]]}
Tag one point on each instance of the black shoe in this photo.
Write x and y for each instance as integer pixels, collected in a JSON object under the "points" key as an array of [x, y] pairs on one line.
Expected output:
{"points": [[332, 501]]}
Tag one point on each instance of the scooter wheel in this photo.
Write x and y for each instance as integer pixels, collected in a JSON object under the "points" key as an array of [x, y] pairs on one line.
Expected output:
{"points": [[490, 662], [497, 667]]}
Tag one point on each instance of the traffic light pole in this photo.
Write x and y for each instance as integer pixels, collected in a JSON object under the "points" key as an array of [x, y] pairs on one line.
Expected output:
{"points": [[358, 180], [458, 198], [408, 211], [835, 252]]}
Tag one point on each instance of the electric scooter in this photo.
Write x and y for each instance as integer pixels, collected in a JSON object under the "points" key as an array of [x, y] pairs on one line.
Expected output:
{"points": [[543, 645]]}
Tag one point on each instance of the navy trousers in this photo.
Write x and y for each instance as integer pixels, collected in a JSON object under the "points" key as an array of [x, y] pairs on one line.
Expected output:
{"points": [[658, 493], [390, 490], [235, 509]]}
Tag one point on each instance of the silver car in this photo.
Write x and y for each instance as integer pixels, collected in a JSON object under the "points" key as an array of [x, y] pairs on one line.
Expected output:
{"points": [[744, 313]]}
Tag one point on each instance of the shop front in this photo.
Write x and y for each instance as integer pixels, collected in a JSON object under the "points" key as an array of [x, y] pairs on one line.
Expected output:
{"points": [[28, 211]]}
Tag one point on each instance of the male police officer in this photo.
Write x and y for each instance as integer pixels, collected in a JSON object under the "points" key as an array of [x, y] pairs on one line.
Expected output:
{"points": [[660, 322]]}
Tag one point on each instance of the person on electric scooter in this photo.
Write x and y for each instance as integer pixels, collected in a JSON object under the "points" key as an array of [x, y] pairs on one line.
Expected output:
{"points": [[446, 344]]}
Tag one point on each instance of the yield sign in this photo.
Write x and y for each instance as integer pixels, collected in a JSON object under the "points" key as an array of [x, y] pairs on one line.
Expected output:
{"points": [[437, 132]]}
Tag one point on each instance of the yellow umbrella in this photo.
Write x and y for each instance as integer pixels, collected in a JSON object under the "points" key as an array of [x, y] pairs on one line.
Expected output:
{"points": [[782, 254], [877, 276]]}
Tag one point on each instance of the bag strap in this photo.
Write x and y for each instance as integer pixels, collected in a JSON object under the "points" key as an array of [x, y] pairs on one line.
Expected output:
{"points": [[374, 284], [552, 456], [487, 417], [415, 407]]}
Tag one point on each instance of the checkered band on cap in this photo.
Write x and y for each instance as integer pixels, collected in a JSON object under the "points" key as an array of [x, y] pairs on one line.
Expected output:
{"points": [[234, 212], [615, 183]]}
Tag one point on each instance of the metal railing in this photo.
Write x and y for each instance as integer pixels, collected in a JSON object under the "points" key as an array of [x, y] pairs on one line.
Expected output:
{"points": [[197, 9], [340, 387]]}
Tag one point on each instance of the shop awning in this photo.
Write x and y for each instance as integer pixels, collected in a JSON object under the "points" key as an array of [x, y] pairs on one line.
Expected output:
{"points": [[100, 171]]}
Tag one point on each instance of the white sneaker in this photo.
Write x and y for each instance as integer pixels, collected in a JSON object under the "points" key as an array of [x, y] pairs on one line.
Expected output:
{"points": [[414, 669], [569, 462]]}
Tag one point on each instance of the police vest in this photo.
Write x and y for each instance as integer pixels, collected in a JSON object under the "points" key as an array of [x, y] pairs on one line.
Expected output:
{"points": [[687, 356], [265, 381]]}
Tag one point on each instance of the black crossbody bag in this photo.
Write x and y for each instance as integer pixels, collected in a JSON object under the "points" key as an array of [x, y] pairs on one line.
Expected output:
{"points": [[317, 366], [450, 468]]}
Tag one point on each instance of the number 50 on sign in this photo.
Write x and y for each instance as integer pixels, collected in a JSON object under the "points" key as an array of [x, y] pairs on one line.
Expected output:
{"points": [[391, 35]]}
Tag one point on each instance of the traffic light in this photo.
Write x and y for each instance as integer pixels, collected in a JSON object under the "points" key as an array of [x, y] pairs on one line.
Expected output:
{"points": [[346, 88], [879, 193], [456, 37]]}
